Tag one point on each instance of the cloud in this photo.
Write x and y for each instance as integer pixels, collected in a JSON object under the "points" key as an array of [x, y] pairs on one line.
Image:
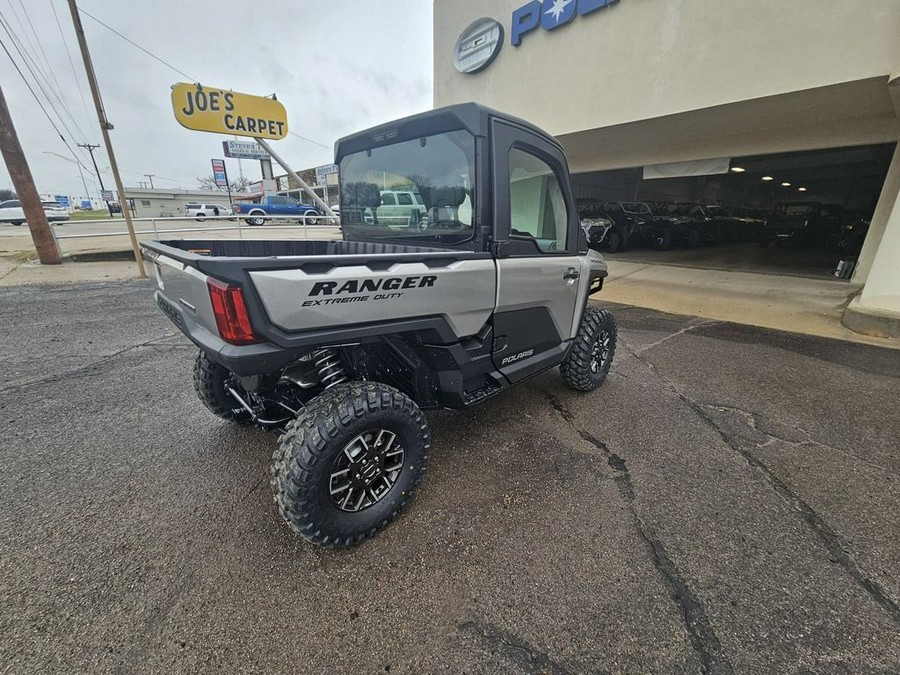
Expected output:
{"points": [[338, 66]]}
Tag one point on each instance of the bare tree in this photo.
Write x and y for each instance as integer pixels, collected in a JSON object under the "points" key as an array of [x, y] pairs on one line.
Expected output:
{"points": [[7, 194], [209, 183]]}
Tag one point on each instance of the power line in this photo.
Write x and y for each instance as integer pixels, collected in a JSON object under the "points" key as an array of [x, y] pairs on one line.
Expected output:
{"points": [[309, 140], [35, 66], [43, 109], [31, 65], [132, 42], [57, 91], [71, 63], [40, 46]]}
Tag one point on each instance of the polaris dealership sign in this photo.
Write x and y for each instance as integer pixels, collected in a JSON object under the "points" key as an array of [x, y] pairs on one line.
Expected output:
{"points": [[480, 43], [550, 15]]}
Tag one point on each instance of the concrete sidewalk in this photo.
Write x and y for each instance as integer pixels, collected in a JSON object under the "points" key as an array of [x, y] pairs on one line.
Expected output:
{"points": [[789, 303]]}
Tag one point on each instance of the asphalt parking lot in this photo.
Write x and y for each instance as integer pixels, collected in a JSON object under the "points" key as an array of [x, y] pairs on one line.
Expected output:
{"points": [[727, 503]]}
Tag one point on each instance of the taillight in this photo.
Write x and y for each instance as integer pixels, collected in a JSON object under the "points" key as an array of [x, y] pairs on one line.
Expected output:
{"points": [[230, 311]]}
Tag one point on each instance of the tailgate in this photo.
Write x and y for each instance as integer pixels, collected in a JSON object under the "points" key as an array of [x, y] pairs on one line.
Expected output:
{"points": [[183, 287]]}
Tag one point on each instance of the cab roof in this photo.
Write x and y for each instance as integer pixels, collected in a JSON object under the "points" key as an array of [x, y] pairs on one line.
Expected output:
{"points": [[474, 118]]}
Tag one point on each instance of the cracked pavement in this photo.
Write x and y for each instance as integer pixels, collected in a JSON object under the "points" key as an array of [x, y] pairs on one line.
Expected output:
{"points": [[726, 503]]}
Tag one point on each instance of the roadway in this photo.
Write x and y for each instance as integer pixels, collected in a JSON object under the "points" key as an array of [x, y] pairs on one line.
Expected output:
{"points": [[726, 503]]}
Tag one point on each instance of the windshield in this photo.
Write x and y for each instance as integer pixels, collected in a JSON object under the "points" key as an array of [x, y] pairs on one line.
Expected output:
{"points": [[419, 189], [637, 208]]}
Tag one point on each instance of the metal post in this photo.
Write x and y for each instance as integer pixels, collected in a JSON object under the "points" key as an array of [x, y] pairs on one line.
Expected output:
{"points": [[293, 174], [20, 173], [105, 126]]}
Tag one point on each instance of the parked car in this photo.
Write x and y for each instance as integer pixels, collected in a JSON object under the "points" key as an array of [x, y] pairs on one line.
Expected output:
{"points": [[645, 227], [279, 206], [688, 229], [714, 222], [851, 234], [56, 212], [600, 229], [402, 207], [805, 223], [11, 212], [202, 211], [752, 222]]}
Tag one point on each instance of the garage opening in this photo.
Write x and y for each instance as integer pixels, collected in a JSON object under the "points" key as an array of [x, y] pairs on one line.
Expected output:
{"points": [[799, 213]]}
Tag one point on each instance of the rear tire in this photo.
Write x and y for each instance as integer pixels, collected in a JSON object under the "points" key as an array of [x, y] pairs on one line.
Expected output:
{"points": [[590, 357], [662, 241], [349, 431], [209, 382]]}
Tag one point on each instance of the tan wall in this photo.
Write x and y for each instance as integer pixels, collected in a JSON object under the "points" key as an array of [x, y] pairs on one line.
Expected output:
{"points": [[641, 59]]}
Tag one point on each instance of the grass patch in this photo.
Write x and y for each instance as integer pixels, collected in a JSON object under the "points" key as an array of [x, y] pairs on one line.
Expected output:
{"points": [[99, 214]]}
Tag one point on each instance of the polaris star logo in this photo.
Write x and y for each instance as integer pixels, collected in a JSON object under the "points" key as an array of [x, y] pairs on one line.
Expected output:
{"points": [[550, 15]]}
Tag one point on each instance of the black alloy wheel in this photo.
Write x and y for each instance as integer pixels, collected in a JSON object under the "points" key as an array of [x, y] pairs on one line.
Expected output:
{"points": [[366, 470]]}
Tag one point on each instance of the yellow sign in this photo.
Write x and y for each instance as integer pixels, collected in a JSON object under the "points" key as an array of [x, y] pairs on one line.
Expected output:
{"points": [[228, 112]]}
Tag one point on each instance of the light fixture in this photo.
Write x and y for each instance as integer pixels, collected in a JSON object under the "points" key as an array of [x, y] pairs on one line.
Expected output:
{"points": [[768, 178], [738, 169], [802, 189], [785, 185]]}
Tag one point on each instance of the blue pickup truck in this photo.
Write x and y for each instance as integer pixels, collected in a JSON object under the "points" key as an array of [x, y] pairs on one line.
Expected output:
{"points": [[277, 206]]}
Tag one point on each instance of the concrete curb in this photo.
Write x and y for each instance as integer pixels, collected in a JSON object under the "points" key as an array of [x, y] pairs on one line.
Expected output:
{"points": [[871, 322]]}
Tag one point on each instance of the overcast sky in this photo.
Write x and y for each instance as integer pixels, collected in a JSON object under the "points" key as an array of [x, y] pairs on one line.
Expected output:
{"points": [[337, 65]]}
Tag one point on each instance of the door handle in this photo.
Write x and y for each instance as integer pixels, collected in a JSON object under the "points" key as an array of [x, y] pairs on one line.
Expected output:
{"points": [[571, 273]]}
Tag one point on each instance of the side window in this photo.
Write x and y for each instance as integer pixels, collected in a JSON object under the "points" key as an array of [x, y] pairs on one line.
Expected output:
{"points": [[537, 208], [388, 199], [404, 199]]}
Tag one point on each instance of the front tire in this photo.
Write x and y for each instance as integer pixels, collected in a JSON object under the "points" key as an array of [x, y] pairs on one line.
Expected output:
{"points": [[310, 218], [349, 463], [590, 357]]}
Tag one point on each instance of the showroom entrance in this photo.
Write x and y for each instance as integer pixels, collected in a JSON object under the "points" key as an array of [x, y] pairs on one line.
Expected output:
{"points": [[798, 213]]}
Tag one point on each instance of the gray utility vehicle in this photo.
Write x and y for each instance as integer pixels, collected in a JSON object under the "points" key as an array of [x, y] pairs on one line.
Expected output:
{"points": [[340, 344]]}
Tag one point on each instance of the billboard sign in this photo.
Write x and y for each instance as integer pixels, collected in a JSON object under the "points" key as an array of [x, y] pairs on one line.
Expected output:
{"points": [[323, 172], [107, 195], [244, 150], [222, 111], [218, 167]]}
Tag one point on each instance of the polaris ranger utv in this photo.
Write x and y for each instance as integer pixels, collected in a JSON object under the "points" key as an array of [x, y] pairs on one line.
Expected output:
{"points": [[341, 344]]}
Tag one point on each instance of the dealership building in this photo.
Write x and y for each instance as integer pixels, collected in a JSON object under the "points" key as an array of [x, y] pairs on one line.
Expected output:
{"points": [[748, 105]]}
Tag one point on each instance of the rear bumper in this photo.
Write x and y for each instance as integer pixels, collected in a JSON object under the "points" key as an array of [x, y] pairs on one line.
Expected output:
{"points": [[243, 360]]}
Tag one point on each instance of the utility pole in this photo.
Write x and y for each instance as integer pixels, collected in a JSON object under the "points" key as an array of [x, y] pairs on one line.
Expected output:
{"points": [[90, 148], [17, 165], [105, 127], [150, 176]]}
